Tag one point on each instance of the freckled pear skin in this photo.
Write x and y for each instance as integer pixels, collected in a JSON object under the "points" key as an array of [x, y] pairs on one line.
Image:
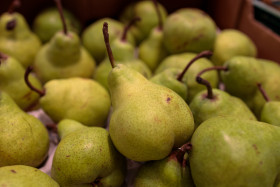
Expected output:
{"points": [[148, 120], [87, 156], [25, 176], [227, 151]]}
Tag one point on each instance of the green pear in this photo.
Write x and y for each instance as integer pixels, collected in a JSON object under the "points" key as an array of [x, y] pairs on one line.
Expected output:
{"points": [[230, 43], [228, 151], [80, 99], [180, 61], [189, 30], [271, 110], [16, 38], [87, 157], [148, 13], [47, 23], [24, 139], [168, 78], [67, 126], [12, 82], [171, 171], [242, 75], [93, 41], [63, 56], [148, 120], [25, 176]]}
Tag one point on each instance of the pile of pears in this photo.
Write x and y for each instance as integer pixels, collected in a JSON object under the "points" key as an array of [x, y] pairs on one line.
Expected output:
{"points": [[189, 104]]}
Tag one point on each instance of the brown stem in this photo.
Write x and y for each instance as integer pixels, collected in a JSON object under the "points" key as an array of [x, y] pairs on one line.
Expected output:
{"points": [[178, 154], [205, 82], [60, 10], [27, 72], [200, 55], [128, 26], [107, 43], [15, 4], [160, 23], [263, 92]]}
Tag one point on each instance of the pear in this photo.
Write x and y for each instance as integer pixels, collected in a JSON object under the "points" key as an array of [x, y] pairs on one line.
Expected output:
{"points": [[47, 23], [67, 126], [16, 38], [139, 132], [148, 13], [92, 37], [63, 57], [228, 151], [151, 50], [12, 82], [181, 61], [271, 110], [25, 176], [124, 53], [196, 31], [87, 157], [24, 139], [80, 99], [214, 102], [171, 171], [230, 43]]}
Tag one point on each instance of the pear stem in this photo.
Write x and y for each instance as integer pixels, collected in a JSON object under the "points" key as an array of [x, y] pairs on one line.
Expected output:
{"points": [[205, 82], [128, 26], [27, 72], [160, 22], [60, 10], [200, 55], [15, 4], [263, 92], [107, 43], [178, 154]]}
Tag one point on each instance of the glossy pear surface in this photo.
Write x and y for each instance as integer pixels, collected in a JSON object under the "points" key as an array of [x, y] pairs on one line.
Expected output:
{"points": [[180, 61], [87, 157], [63, 57], [12, 82], [148, 120], [189, 30], [230, 43], [25, 176], [24, 139], [19, 42], [83, 100], [228, 151], [48, 22]]}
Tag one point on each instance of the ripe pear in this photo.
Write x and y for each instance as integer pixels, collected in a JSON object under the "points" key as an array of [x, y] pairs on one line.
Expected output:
{"points": [[189, 30], [171, 171], [87, 157], [92, 37], [230, 43], [147, 12], [12, 82], [24, 139], [25, 176], [80, 99], [180, 61], [16, 38], [148, 120], [63, 57], [67, 126], [47, 23], [228, 151]]}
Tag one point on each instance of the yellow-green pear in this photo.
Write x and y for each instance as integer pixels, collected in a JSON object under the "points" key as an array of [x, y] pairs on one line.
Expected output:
{"points": [[16, 38], [87, 157], [24, 139], [25, 176], [12, 82], [67, 126]]}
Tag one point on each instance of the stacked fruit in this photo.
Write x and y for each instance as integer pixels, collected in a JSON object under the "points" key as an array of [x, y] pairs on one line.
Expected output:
{"points": [[193, 106]]}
